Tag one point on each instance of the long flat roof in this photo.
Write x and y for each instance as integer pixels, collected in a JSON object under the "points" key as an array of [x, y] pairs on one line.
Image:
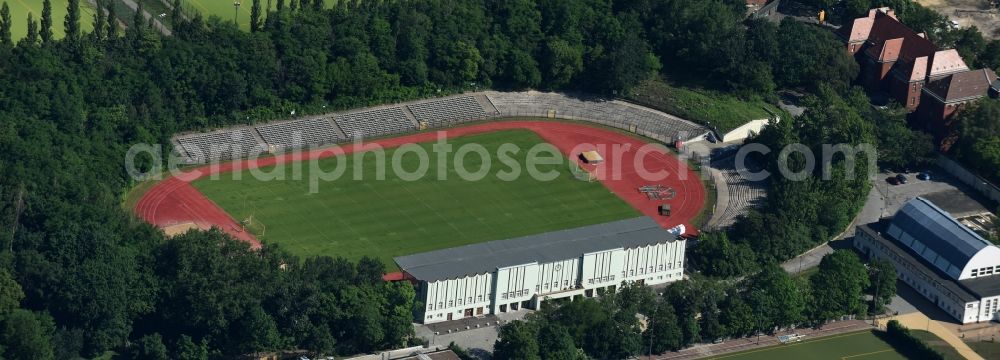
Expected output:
{"points": [[547, 247]]}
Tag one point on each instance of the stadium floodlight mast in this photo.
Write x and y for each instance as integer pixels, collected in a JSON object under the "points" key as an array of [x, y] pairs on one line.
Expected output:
{"points": [[236, 14]]}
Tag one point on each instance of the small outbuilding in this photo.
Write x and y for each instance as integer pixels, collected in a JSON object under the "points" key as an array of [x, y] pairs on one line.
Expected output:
{"points": [[591, 157]]}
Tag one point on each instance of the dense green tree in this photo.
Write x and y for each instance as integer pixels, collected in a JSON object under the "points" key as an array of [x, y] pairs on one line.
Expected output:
{"points": [[662, 332], [716, 255], [978, 146], [899, 146], [5, 24], [177, 17], [46, 32], [883, 283], [112, 19], [837, 287], [72, 22], [26, 336], [31, 38], [990, 57], [810, 56], [255, 16], [555, 343], [561, 61], [774, 299], [151, 347], [10, 294], [187, 349], [736, 316], [517, 340]]}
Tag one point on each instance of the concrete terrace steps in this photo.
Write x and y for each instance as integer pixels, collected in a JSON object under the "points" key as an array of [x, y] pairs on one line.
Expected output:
{"points": [[742, 195], [406, 117]]}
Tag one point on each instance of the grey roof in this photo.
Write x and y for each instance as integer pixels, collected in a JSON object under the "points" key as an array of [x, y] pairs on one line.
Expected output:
{"points": [[938, 230], [542, 248], [984, 286], [907, 254]]}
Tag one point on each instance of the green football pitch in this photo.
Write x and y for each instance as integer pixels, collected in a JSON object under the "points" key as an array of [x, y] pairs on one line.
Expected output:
{"points": [[226, 10], [862, 345], [19, 10], [392, 217]]}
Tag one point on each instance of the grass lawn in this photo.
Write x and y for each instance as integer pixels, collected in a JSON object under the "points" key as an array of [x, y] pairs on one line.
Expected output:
{"points": [[986, 349], [725, 112], [937, 344], [862, 345], [392, 217], [225, 10], [19, 10]]}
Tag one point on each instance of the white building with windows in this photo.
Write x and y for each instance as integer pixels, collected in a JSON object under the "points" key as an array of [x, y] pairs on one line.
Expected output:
{"points": [[510, 275], [943, 260]]}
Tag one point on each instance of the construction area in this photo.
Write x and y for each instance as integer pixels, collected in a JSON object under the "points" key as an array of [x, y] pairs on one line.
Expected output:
{"points": [[984, 14]]}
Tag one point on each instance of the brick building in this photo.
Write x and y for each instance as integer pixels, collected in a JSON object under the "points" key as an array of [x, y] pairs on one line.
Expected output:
{"points": [[916, 73]]}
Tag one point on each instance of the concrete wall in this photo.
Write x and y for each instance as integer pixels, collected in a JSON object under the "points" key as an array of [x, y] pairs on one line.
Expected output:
{"points": [[966, 176], [745, 130]]}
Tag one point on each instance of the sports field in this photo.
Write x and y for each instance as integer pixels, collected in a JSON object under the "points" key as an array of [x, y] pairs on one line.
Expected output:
{"points": [[19, 10], [393, 217], [862, 345], [225, 9]]}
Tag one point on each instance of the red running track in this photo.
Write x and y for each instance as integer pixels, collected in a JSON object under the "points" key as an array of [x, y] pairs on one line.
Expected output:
{"points": [[174, 201]]}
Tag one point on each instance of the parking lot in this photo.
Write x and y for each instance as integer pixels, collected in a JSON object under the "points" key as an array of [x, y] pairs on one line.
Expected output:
{"points": [[944, 191]]}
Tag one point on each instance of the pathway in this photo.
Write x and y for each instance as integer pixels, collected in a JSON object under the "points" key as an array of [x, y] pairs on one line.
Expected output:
{"points": [[920, 321]]}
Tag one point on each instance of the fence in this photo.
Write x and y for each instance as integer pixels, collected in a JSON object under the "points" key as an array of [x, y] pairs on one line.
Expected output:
{"points": [[967, 177]]}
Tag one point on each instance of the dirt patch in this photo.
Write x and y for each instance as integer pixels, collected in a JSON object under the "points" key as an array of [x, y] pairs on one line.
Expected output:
{"points": [[174, 230], [968, 13]]}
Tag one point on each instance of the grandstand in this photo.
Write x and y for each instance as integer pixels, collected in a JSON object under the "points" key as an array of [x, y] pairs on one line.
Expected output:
{"points": [[440, 112], [741, 194], [375, 122], [443, 112], [299, 133], [618, 114], [227, 144]]}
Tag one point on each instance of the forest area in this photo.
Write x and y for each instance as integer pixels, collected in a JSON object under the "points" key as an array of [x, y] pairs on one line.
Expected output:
{"points": [[82, 277]]}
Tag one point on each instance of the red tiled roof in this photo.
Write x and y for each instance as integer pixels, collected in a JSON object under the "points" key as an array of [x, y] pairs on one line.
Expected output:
{"points": [[946, 61], [918, 70], [913, 46], [963, 85], [858, 31], [890, 50]]}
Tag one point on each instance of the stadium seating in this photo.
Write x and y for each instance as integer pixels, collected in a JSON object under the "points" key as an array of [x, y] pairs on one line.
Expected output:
{"points": [[442, 112], [222, 145], [437, 113], [743, 194], [374, 122], [300, 133], [612, 113]]}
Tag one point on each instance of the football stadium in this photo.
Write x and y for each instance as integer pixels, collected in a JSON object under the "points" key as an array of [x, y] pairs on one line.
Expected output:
{"points": [[500, 242]]}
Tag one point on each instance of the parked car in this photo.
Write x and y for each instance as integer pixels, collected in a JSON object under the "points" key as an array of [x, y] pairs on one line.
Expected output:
{"points": [[901, 178], [892, 180], [924, 176]]}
